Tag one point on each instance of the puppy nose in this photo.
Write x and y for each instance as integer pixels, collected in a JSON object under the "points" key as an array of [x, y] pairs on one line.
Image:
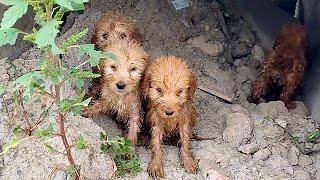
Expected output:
{"points": [[169, 112], [121, 85]]}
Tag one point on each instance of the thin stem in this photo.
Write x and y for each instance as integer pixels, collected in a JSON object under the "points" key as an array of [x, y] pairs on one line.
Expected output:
{"points": [[25, 114]]}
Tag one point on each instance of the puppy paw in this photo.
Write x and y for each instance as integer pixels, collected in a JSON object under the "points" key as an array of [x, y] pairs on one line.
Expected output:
{"points": [[190, 165], [86, 112], [155, 170]]}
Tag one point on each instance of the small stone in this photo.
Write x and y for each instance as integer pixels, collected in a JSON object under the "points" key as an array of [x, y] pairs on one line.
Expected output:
{"points": [[280, 164], [237, 62], [238, 130], [281, 122], [244, 74], [301, 174], [257, 55], [60, 175], [206, 27], [181, 32], [213, 48], [300, 109], [305, 160], [293, 154], [262, 154], [211, 171], [273, 108], [249, 148]]}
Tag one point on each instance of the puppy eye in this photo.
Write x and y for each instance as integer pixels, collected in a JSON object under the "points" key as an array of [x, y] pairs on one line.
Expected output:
{"points": [[133, 69], [113, 67], [105, 36], [179, 92], [122, 36], [159, 90]]}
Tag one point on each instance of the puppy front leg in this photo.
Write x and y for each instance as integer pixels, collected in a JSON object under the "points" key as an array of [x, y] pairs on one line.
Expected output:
{"points": [[189, 163], [134, 124], [94, 109], [155, 168]]}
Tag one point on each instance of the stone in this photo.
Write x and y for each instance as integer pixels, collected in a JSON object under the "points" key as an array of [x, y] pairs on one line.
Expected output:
{"points": [[300, 109], [304, 160], [244, 74], [214, 48], [280, 164], [211, 171], [293, 154], [180, 32], [273, 108], [249, 148], [262, 154], [281, 122], [301, 174], [257, 55], [238, 130], [240, 50]]}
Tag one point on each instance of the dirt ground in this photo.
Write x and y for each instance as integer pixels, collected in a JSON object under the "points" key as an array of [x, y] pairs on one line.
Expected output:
{"points": [[263, 141]]}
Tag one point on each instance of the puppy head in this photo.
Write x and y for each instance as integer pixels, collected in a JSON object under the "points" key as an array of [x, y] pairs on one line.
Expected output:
{"points": [[168, 84], [123, 76], [292, 34], [113, 26]]}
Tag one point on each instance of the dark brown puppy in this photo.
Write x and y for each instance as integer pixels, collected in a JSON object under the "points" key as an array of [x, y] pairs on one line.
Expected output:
{"points": [[284, 67], [168, 86]]}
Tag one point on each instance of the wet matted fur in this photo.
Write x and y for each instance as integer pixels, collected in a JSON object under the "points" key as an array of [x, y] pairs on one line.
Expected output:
{"points": [[168, 86], [120, 85], [284, 67]]}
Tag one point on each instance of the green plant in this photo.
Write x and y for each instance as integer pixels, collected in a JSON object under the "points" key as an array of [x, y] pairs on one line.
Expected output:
{"points": [[314, 136], [54, 73]]}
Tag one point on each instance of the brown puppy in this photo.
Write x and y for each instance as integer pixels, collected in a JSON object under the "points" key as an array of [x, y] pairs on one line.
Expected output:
{"points": [[285, 66], [168, 87], [111, 27], [120, 88]]}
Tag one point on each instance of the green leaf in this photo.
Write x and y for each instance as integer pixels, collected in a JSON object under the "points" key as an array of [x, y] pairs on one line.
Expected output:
{"points": [[103, 136], [51, 148], [89, 50], [314, 136], [81, 143], [10, 145], [2, 89], [83, 103], [47, 34], [73, 39], [72, 169], [79, 83], [26, 81], [84, 74], [64, 3], [109, 56], [17, 130], [14, 13], [104, 148], [42, 133], [11, 2], [8, 36]]}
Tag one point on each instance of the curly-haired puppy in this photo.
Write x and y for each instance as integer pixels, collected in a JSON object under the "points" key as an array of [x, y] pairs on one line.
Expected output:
{"points": [[168, 86], [113, 26], [285, 66], [120, 93]]}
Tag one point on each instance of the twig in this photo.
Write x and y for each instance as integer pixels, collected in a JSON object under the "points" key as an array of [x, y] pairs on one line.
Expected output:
{"points": [[54, 170], [216, 93], [25, 114]]}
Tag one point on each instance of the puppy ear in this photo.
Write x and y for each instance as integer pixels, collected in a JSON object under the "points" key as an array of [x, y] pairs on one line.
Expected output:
{"points": [[137, 37], [145, 85], [192, 86], [94, 39]]}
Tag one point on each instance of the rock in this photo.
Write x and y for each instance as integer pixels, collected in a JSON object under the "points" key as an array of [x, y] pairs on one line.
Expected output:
{"points": [[214, 48], [273, 108], [238, 130], [249, 148], [257, 55], [211, 171], [180, 32], [262, 154], [293, 154], [237, 62], [238, 108], [280, 163], [300, 109], [305, 160], [60, 175], [301, 174], [244, 74], [281, 122], [240, 50]]}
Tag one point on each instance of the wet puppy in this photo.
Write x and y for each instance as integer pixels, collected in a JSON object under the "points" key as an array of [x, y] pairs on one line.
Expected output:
{"points": [[120, 93], [284, 67], [111, 27], [168, 86]]}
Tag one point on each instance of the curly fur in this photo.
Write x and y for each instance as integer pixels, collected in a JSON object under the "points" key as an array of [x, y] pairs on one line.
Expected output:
{"points": [[128, 69], [113, 26], [285, 66], [168, 87]]}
